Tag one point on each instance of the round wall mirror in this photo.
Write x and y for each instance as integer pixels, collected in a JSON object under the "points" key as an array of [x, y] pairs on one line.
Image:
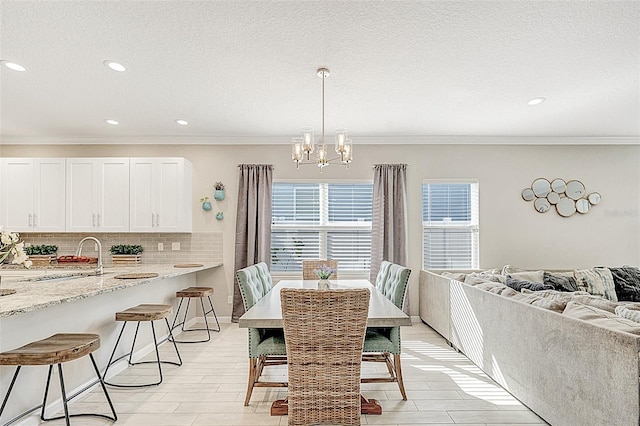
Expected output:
{"points": [[583, 205], [541, 187], [558, 185], [541, 205], [553, 197], [594, 198], [527, 194], [575, 189], [566, 207]]}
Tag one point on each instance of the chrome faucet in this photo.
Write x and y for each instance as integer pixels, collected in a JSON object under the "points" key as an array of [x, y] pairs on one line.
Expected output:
{"points": [[79, 252]]}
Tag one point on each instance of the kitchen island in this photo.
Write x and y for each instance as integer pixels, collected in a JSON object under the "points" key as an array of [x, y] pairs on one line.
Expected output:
{"points": [[70, 302]]}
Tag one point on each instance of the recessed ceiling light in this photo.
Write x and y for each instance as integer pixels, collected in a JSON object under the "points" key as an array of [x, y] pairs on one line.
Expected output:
{"points": [[111, 121], [116, 66], [537, 101], [13, 66], [182, 122]]}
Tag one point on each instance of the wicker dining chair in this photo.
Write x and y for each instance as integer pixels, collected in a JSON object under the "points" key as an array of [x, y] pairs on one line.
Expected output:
{"points": [[381, 342], [324, 332], [266, 345], [309, 268]]}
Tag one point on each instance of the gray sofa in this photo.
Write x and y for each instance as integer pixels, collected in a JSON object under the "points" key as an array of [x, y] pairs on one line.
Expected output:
{"points": [[569, 371]]}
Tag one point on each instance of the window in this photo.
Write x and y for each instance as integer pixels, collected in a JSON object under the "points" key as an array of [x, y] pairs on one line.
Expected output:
{"points": [[321, 221], [450, 225]]}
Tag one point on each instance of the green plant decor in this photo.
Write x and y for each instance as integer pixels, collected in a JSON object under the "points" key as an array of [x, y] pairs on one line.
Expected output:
{"points": [[126, 249], [43, 249]]}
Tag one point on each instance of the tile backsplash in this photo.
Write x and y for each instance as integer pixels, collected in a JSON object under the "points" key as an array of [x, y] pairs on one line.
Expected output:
{"points": [[202, 247]]}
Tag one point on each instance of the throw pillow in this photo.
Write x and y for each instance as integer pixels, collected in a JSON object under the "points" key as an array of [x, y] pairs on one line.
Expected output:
{"points": [[627, 283], [560, 282], [601, 318], [539, 301], [458, 276], [595, 301], [520, 284], [597, 281], [630, 314], [491, 287], [533, 276]]}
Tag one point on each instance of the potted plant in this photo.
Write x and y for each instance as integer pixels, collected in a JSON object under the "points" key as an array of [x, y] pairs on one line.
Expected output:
{"points": [[206, 204], [126, 254], [42, 255], [218, 194]]}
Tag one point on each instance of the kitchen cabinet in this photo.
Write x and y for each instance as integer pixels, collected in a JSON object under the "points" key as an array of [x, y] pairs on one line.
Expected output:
{"points": [[160, 195], [97, 195], [32, 194]]}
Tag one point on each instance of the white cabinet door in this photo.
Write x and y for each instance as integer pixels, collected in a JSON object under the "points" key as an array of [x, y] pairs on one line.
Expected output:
{"points": [[97, 195], [32, 191], [160, 195]]}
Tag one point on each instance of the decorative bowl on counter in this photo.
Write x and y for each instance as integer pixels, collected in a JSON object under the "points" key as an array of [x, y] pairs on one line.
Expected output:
{"points": [[77, 259]]}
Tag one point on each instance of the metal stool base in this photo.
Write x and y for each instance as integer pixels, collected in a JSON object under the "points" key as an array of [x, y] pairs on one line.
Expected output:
{"points": [[130, 354], [66, 415], [184, 319]]}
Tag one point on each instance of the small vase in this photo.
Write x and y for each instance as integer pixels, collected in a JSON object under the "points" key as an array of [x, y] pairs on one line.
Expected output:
{"points": [[219, 216], [218, 194], [206, 205], [323, 284]]}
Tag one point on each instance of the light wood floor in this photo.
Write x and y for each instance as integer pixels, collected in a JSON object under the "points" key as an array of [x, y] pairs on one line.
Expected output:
{"points": [[443, 388]]}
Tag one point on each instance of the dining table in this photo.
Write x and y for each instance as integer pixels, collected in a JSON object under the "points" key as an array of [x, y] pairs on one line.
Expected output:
{"points": [[267, 313]]}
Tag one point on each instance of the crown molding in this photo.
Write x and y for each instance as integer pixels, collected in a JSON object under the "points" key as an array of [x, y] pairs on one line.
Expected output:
{"points": [[285, 140]]}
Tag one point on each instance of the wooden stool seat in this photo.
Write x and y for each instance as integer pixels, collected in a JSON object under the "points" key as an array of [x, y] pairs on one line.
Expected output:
{"points": [[195, 292], [145, 313], [56, 349]]}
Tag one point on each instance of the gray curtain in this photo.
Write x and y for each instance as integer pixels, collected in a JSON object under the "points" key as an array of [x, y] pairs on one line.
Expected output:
{"points": [[253, 223], [389, 223]]}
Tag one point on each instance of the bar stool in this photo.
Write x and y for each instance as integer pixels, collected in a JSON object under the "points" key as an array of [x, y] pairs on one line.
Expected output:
{"points": [[56, 349], [141, 313], [201, 293]]}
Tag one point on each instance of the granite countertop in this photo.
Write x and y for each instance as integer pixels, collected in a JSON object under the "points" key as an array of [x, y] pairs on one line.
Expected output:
{"points": [[36, 293]]}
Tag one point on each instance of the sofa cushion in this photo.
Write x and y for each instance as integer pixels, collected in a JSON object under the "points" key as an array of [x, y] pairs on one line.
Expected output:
{"points": [[601, 318], [630, 314], [491, 287], [560, 282], [597, 281], [532, 276], [481, 277], [563, 296], [458, 276], [627, 283], [520, 284]]}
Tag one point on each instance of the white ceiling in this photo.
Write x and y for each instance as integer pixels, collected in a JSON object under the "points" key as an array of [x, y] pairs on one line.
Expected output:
{"points": [[246, 70]]}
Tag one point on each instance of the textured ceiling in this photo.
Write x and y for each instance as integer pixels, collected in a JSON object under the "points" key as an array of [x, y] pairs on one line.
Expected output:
{"points": [[246, 70]]}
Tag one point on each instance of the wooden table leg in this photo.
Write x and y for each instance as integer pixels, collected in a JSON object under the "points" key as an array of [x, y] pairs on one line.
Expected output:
{"points": [[280, 407]]}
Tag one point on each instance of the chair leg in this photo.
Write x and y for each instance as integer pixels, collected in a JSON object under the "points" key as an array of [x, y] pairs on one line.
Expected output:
{"points": [[115, 347], [13, 381], [184, 318], [46, 393], [398, 367], [171, 338], [104, 389], [387, 360], [252, 377], [175, 318]]}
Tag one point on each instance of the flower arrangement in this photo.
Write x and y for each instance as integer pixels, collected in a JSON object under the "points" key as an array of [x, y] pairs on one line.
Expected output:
{"points": [[219, 186], [204, 199], [10, 244], [324, 273]]}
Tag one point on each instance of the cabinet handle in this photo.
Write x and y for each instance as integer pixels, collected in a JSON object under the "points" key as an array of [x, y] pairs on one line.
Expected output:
{"points": [[30, 220], [35, 219], [98, 219], [152, 218], [157, 219], [93, 222]]}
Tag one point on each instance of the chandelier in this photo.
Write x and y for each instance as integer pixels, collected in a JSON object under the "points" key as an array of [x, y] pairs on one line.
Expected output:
{"points": [[303, 146]]}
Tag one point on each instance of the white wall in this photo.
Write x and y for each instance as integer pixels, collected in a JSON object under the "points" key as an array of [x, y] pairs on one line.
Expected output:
{"points": [[510, 230]]}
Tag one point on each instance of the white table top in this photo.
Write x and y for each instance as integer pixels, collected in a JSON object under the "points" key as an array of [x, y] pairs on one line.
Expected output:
{"points": [[267, 313]]}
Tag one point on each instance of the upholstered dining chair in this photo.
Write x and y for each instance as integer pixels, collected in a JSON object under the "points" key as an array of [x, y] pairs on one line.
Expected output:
{"points": [[266, 345], [381, 342], [309, 268], [324, 331]]}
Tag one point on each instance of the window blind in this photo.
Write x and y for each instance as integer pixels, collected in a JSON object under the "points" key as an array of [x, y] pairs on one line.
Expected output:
{"points": [[321, 221], [450, 216]]}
